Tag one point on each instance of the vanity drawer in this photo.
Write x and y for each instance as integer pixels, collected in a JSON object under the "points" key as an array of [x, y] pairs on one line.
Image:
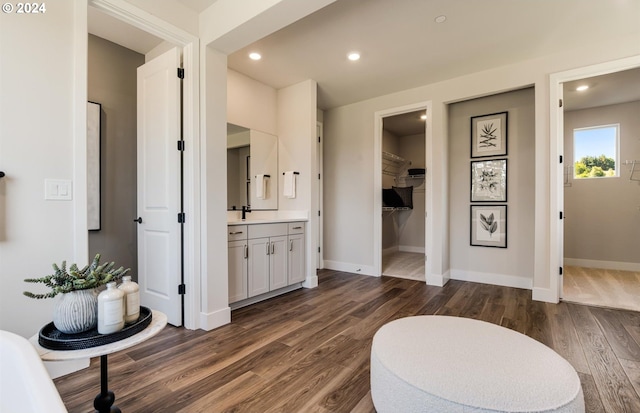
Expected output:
{"points": [[296, 227], [236, 232], [267, 230]]}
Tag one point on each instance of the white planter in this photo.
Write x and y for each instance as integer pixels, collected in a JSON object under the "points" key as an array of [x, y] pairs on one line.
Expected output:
{"points": [[76, 311]]}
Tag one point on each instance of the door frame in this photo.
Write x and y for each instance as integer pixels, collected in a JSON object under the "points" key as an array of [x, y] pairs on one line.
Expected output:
{"points": [[377, 183], [191, 135], [556, 149]]}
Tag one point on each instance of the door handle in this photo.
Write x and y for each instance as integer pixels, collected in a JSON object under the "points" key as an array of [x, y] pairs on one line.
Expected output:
{"points": [[246, 251], [139, 220], [267, 244], [290, 245], [1, 174], [273, 248]]}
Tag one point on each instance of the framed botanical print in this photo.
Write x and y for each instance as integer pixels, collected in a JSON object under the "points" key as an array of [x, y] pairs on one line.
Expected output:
{"points": [[489, 181], [489, 135], [489, 226]]}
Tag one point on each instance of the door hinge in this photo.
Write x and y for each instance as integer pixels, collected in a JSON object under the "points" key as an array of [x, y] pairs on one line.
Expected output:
{"points": [[318, 176], [181, 145], [560, 214], [561, 159], [182, 289], [560, 271], [560, 103], [181, 73], [318, 139], [181, 217], [318, 249], [318, 213]]}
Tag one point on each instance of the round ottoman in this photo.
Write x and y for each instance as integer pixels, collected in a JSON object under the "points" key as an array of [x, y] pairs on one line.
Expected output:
{"points": [[452, 364]]}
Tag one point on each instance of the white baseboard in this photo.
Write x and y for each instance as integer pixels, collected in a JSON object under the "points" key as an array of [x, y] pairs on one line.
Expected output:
{"points": [[390, 250], [349, 267], [544, 294], [438, 280], [311, 282], [504, 280], [607, 265], [209, 321], [409, 248]]}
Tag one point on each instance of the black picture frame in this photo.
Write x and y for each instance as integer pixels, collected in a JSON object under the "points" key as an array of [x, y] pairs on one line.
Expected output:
{"points": [[489, 135], [488, 226], [489, 180]]}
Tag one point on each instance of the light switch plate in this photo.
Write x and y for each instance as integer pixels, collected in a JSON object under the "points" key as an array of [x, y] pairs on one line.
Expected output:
{"points": [[57, 189]]}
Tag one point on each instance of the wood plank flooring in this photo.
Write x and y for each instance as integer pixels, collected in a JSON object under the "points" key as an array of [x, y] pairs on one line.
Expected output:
{"points": [[409, 265], [601, 287], [308, 351]]}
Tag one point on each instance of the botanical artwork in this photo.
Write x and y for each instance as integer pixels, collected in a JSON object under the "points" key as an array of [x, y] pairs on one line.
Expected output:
{"points": [[489, 135], [489, 180], [488, 226]]}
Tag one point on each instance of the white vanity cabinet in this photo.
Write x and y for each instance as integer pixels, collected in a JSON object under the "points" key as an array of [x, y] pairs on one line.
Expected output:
{"points": [[238, 252], [265, 258], [296, 253]]}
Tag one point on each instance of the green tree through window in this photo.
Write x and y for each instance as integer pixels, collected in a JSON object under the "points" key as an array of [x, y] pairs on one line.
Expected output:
{"points": [[595, 150]]}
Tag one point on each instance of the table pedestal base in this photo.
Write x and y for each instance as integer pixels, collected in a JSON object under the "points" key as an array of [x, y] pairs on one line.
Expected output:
{"points": [[104, 401]]}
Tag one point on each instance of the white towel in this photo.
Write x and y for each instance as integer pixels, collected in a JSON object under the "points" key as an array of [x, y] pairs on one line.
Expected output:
{"points": [[261, 186], [289, 190]]}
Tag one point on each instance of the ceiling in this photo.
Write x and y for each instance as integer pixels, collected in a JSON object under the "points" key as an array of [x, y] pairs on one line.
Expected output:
{"points": [[402, 46]]}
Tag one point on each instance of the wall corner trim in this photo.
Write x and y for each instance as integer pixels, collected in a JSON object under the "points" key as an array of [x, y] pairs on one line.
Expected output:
{"points": [[215, 319], [544, 294]]}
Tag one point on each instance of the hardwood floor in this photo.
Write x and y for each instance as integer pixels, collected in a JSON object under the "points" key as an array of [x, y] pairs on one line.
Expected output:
{"points": [[409, 265], [308, 351], [604, 288]]}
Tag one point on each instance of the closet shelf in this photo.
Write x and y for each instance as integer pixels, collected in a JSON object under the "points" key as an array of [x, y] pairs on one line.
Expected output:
{"points": [[393, 164]]}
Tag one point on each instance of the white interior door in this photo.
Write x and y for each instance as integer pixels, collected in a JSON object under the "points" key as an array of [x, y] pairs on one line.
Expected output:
{"points": [[159, 185]]}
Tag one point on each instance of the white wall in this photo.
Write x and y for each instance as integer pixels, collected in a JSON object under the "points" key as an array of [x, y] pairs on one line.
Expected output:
{"points": [[603, 215], [37, 132], [251, 104], [412, 223], [511, 266], [349, 180], [297, 151]]}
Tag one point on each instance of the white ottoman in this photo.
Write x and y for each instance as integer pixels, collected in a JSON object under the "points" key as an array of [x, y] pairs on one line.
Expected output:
{"points": [[451, 364]]}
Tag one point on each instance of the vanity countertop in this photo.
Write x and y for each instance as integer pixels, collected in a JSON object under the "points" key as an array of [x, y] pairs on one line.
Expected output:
{"points": [[265, 221]]}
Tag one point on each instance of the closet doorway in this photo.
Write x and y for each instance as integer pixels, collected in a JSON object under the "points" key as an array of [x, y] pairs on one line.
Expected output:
{"points": [[403, 195], [602, 190]]}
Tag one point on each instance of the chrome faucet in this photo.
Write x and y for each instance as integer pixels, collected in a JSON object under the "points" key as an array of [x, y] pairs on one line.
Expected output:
{"points": [[245, 210]]}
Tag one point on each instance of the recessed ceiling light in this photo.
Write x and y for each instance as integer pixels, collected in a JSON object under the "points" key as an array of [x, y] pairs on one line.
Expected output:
{"points": [[353, 56], [440, 19], [582, 88], [255, 56]]}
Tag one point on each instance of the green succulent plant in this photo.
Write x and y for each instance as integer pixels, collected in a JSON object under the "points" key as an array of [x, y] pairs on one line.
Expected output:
{"points": [[63, 280]]}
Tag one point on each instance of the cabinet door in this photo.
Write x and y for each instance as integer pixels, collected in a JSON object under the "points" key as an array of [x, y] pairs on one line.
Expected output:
{"points": [[278, 263], [296, 258], [259, 253], [238, 251]]}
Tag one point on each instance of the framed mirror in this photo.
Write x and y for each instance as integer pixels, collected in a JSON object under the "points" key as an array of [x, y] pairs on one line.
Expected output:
{"points": [[252, 167]]}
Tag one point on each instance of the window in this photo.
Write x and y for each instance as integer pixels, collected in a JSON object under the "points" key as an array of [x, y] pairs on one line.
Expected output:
{"points": [[595, 152]]}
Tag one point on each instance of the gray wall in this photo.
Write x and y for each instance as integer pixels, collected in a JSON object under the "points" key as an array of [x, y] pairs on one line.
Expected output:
{"points": [[517, 259], [112, 83], [603, 215]]}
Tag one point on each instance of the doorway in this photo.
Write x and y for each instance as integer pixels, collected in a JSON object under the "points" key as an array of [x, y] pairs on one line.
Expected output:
{"points": [[400, 235], [590, 264], [601, 264], [124, 18]]}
